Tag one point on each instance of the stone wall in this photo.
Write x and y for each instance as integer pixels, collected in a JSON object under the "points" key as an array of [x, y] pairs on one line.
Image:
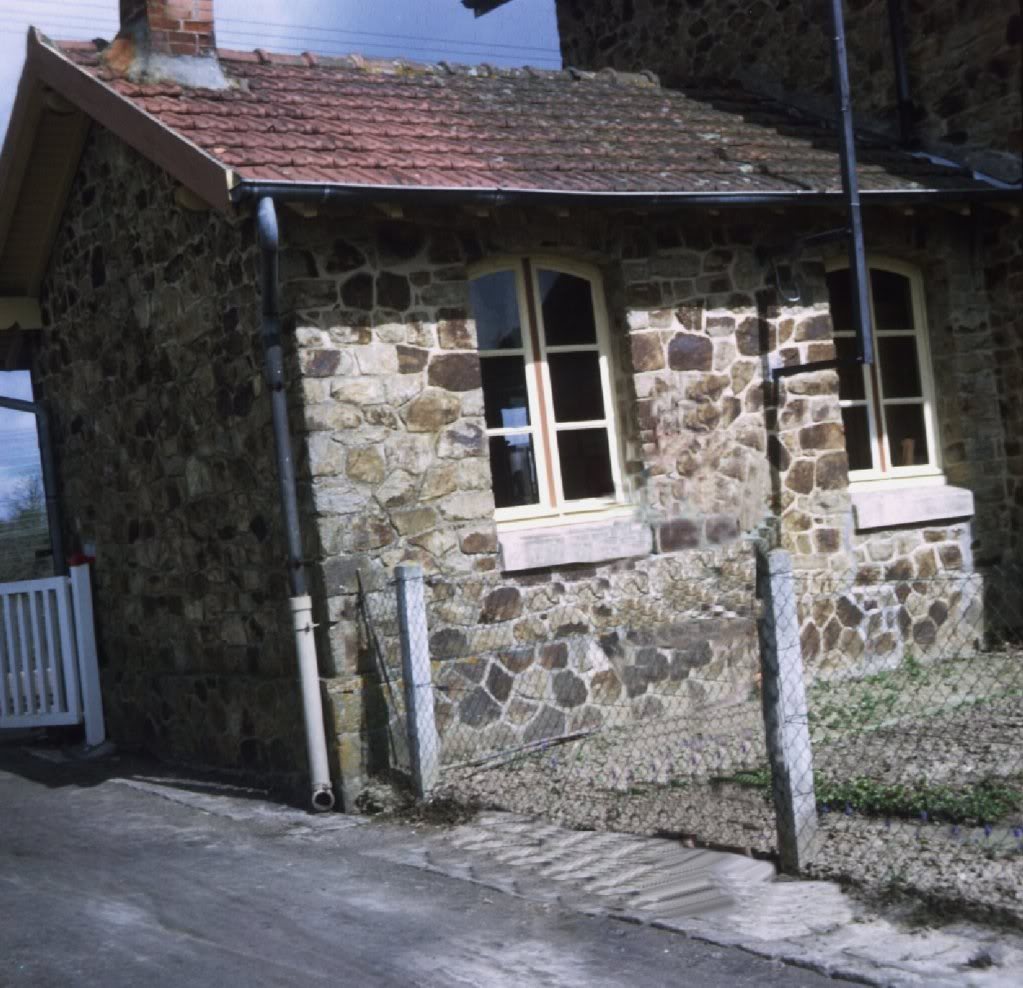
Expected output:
{"points": [[963, 60], [875, 595], [151, 365], [522, 658], [395, 436], [399, 471]]}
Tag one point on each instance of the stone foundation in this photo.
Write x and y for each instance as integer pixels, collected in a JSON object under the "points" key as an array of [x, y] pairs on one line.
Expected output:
{"points": [[519, 660]]}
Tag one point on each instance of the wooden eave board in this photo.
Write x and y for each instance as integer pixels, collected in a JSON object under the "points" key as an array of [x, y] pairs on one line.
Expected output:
{"points": [[179, 157], [42, 149], [52, 161]]}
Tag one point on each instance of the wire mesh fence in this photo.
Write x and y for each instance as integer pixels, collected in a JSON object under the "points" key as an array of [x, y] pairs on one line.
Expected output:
{"points": [[863, 731], [914, 712], [626, 703]]}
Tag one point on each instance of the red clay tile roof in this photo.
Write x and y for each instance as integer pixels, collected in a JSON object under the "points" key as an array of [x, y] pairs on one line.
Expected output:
{"points": [[351, 122]]}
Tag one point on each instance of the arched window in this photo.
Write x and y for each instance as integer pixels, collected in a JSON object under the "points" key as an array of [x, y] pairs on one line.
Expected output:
{"points": [[548, 401], [888, 408]]}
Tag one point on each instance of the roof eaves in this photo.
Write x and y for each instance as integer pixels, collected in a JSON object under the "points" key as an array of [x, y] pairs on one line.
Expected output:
{"points": [[194, 168], [13, 159]]}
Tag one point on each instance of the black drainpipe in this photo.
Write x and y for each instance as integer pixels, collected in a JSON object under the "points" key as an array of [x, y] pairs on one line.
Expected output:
{"points": [[851, 188], [904, 104], [851, 191]]}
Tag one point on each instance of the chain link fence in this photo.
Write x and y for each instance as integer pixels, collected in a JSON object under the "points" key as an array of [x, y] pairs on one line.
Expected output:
{"points": [[914, 720], [868, 732]]}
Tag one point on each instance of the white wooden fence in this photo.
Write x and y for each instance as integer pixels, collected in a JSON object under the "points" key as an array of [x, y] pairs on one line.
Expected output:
{"points": [[48, 667]]}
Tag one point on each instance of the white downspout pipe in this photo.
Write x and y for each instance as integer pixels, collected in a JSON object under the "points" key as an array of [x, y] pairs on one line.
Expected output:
{"points": [[322, 795]]}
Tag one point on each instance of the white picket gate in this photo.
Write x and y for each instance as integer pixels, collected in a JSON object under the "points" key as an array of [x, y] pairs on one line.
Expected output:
{"points": [[48, 666]]}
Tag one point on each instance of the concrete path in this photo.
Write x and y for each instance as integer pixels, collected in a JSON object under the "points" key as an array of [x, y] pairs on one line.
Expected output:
{"points": [[120, 875], [726, 899]]}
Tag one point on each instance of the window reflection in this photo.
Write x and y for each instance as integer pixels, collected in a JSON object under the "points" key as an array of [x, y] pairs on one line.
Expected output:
{"points": [[575, 383], [495, 306], [513, 467], [585, 464], [567, 305], [505, 398]]}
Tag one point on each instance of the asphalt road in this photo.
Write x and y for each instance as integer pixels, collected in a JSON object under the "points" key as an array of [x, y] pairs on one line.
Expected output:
{"points": [[122, 875]]}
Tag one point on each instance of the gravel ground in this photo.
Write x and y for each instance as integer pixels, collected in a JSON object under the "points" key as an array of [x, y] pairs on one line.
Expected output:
{"points": [[952, 725]]}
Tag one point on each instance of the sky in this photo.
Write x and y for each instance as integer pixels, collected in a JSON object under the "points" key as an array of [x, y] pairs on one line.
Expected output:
{"points": [[523, 32]]}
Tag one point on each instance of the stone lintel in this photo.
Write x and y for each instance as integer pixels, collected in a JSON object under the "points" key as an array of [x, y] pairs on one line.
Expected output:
{"points": [[909, 506], [562, 545]]}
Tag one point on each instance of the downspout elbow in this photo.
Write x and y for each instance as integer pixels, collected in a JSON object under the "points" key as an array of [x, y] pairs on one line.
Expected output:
{"points": [[266, 221]]}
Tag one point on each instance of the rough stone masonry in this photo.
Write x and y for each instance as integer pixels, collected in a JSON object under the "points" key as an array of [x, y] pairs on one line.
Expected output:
{"points": [[165, 457]]}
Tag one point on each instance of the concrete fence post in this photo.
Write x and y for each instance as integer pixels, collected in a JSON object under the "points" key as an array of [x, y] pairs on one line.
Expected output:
{"points": [[424, 746], [785, 713], [80, 579]]}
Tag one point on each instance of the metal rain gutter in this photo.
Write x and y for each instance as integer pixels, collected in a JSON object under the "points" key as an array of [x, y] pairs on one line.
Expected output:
{"points": [[311, 192], [322, 796]]}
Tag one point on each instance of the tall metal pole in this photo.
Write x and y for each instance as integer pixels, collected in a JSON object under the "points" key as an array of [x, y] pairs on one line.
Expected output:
{"points": [[850, 187]]}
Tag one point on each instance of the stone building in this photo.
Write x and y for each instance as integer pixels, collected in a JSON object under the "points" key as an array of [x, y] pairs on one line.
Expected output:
{"points": [[531, 321]]}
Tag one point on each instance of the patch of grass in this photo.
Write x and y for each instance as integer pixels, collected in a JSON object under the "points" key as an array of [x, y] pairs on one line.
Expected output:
{"points": [[982, 802], [753, 778], [909, 689]]}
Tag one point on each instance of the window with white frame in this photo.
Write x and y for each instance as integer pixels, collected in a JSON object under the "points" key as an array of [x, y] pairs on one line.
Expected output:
{"points": [[548, 402], [887, 408]]}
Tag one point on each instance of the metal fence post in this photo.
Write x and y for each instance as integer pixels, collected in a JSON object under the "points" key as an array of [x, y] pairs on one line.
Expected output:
{"points": [[785, 713], [88, 662], [424, 748]]}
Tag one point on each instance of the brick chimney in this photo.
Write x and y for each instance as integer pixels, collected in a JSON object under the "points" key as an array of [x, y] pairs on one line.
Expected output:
{"points": [[167, 39], [172, 27]]}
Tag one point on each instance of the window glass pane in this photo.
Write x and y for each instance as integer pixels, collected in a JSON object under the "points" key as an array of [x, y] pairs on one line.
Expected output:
{"points": [[585, 464], [513, 469], [840, 299], [567, 305], [495, 307], [907, 437], [505, 399], [850, 376], [857, 437], [575, 386], [893, 307], [900, 369]]}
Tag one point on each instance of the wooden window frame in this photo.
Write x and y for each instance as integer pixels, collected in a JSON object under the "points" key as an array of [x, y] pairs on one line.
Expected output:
{"points": [[552, 505], [882, 472]]}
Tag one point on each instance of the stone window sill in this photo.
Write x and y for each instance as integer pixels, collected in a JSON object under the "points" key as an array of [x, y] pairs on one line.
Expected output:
{"points": [[543, 547], [900, 506]]}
